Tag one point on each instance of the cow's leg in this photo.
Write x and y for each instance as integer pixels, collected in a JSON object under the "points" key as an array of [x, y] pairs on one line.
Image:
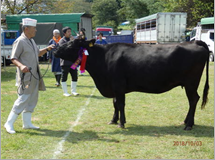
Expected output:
{"points": [[116, 113], [193, 98], [120, 104]]}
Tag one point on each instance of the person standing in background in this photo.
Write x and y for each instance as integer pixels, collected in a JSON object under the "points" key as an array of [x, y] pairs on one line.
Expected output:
{"points": [[56, 69], [81, 35], [100, 40], [65, 66]]}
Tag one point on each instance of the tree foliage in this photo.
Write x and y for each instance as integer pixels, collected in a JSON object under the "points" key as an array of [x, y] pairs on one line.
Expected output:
{"points": [[195, 9], [154, 6], [105, 12], [133, 9], [35, 6], [81, 6], [113, 12]]}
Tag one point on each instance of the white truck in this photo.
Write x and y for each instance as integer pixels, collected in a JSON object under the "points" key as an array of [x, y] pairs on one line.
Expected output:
{"points": [[7, 39], [161, 28], [205, 31]]}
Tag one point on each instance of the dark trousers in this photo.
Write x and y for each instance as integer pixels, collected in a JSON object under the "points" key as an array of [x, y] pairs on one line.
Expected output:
{"points": [[66, 70]]}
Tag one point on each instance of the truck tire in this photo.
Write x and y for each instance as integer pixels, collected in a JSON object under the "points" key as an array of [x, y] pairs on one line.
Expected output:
{"points": [[3, 61], [6, 62], [211, 58]]}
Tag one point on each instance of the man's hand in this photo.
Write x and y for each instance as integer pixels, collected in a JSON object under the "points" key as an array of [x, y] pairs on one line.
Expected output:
{"points": [[72, 38], [50, 47], [45, 50], [21, 66], [24, 69]]}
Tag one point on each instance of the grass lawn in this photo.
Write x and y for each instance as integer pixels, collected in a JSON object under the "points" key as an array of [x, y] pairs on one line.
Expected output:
{"points": [[76, 127]]}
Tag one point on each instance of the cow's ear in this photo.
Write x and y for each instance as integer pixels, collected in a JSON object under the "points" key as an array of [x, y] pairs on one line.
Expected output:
{"points": [[91, 42]]}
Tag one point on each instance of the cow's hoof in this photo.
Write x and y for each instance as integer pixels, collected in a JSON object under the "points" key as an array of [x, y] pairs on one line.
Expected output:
{"points": [[121, 126], [188, 128], [112, 122]]}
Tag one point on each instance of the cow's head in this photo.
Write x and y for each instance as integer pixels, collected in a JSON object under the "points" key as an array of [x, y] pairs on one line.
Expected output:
{"points": [[70, 50]]}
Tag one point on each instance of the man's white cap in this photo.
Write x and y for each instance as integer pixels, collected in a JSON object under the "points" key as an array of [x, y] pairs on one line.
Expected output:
{"points": [[29, 22]]}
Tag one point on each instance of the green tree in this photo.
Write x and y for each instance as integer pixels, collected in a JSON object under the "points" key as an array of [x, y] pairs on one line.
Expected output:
{"points": [[17, 7], [202, 8], [113, 12], [133, 9], [81, 6], [36, 6], [105, 12], [154, 6], [195, 9]]}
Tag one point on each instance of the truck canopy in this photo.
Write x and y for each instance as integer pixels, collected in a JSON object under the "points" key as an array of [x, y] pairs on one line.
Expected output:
{"points": [[156, 15], [208, 20], [68, 19], [207, 23], [153, 16], [46, 23]]}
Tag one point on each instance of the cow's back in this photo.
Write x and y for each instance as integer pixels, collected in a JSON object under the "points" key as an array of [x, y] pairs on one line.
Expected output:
{"points": [[154, 68]]}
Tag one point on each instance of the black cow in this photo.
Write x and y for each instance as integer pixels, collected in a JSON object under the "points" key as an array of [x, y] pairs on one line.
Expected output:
{"points": [[121, 68]]}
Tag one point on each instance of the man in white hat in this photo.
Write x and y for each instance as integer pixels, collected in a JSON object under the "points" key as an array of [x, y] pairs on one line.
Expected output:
{"points": [[25, 56]]}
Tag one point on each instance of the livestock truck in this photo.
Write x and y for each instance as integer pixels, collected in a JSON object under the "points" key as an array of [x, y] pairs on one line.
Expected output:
{"points": [[161, 28], [205, 31]]}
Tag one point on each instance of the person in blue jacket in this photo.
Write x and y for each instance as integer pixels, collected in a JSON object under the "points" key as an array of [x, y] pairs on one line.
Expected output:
{"points": [[56, 69], [100, 40]]}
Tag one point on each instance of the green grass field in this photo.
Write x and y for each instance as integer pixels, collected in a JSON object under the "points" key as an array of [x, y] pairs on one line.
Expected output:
{"points": [[76, 127]]}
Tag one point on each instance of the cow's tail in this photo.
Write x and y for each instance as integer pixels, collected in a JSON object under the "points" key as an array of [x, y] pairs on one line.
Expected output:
{"points": [[206, 88]]}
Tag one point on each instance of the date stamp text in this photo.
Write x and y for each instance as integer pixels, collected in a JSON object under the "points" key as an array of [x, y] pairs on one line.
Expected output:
{"points": [[187, 143]]}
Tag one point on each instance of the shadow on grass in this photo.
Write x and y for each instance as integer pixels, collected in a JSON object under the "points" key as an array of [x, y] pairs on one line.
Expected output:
{"points": [[84, 86], [157, 131], [53, 86], [85, 75], [138, 130], [68, 86], [10, 74], [95, 97], [73, 137]]}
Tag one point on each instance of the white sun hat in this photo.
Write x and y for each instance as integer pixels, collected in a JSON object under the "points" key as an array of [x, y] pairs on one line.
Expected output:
{"points": [[56, 31], [29, 22]]}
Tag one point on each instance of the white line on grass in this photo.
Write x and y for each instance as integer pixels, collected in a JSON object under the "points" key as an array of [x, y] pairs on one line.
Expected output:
{"points": [[59, 148]]}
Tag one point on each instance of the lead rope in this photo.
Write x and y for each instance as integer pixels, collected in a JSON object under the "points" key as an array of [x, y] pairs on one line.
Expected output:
{"points": [[22, 84]]}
